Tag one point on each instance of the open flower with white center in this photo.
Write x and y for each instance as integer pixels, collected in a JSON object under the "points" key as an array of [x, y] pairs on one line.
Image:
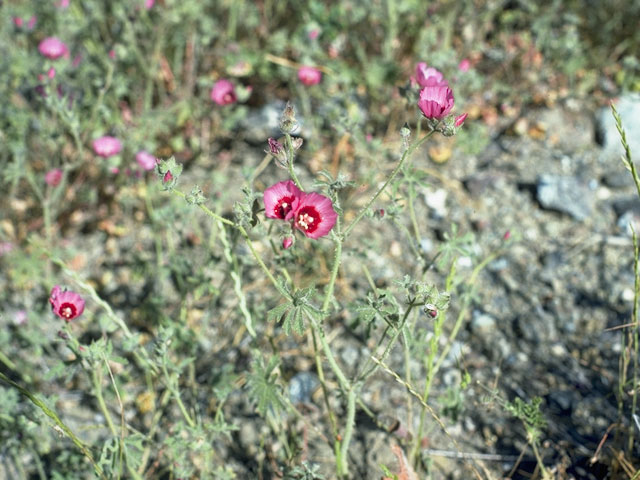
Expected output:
{"points": [[315, 216], [66, 304], [281, 200]]}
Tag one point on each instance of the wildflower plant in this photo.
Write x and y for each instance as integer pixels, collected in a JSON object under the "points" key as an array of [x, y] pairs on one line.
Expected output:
{"points": [[188, 330]]}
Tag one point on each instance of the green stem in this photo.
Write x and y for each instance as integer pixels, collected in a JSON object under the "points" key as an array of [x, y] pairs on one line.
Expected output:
{"points": [[237, 281], [412, 214], [636, 330], [337, 258], [60, 424], [407, 153], [176, 395], [244, 233], [96, 376], [290, 158], [343, 465]]}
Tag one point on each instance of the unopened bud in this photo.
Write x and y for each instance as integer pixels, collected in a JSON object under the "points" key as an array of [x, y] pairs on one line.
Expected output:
{"points": [[460, 120], [287, 242], [288, 122], [296, 143], [275, 147], [431, 310]]}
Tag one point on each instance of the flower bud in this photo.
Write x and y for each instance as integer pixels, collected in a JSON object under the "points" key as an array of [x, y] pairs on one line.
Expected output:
{"points": [[287, 242], [278, 151], [288, 122], [431, 310], [460, 120]]}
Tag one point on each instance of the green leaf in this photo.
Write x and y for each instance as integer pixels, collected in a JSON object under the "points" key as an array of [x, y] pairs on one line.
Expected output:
{"points": [[276, 313], [262, 384]]}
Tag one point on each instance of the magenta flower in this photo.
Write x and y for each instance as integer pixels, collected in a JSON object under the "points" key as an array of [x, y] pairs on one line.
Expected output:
{"points": [[287, 242], [436, 101], [464, 65], [146, 160], [149, 3], [53, 177], [315, 216], [66, 304], [223, 92], [53, 47], [309, 75], [281, 200], [429, 76], [167, 177], [107, 146], [18, 22]]}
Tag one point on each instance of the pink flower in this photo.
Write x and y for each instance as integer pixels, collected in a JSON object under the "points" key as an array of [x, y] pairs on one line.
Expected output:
{"points": [[436, 101], [53, 47], [149, 3], [315, 216], [309, 75], [20, 318], [429, 76], [53, 177], [66, 304], [313, 34], [107, 146], [281, 200], [287, 242], [51, 73], [146, 160], [223, 92], [32, 22], [5, 247], [62, 4], [76, 60], [112, 54], [464, 65], [18, 22], [460, 119]]}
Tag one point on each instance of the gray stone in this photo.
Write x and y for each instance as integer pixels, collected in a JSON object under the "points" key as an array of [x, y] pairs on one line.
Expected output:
{"points": [[262, 123], [565, 194], [482, 323], [302, 386], [607, 134], [350, 355]]}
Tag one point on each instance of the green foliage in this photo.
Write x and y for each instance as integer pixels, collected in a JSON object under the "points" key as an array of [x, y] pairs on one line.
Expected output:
{"points": [[293, 312], [454, 245], [304, 471], [263, 386], [530, 415]]}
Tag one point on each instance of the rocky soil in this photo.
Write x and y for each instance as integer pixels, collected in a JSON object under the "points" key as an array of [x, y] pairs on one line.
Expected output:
{"points": [[542, 322]]}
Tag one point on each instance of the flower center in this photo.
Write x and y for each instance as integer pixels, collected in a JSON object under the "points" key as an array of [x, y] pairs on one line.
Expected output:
{"points": [[283, 207], [308, 219], [67, 310]]}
